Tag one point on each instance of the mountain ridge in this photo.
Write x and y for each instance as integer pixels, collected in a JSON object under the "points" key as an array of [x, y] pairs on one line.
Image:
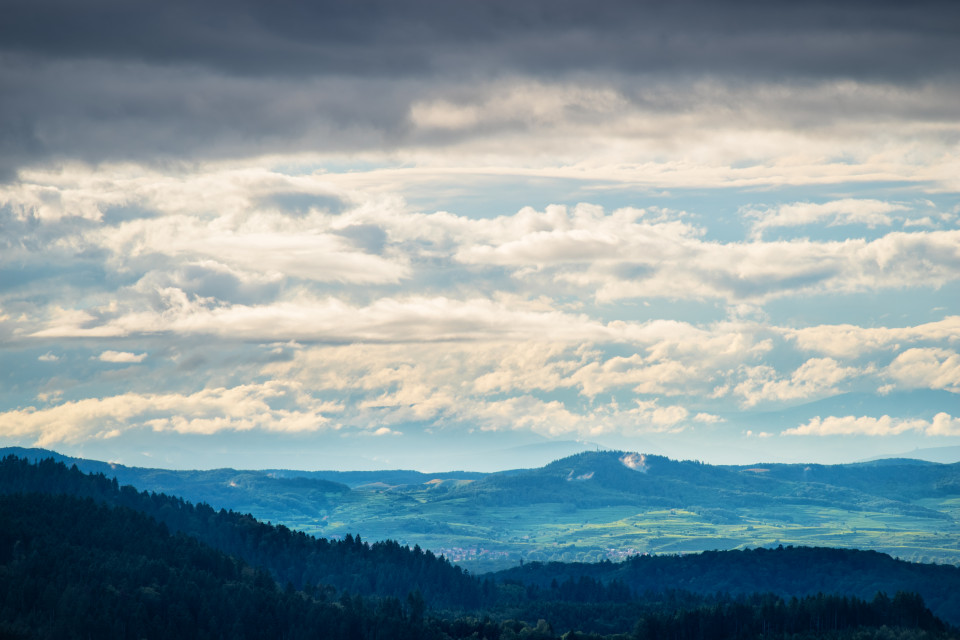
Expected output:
{"points": [[595, 505], [606, 598]]}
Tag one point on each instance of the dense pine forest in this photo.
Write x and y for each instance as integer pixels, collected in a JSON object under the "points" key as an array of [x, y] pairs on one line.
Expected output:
{"points": [[83, 557]]}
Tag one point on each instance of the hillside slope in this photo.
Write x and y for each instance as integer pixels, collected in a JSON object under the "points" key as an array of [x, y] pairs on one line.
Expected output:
{"points": [[383, 568], [59, 526], [72, 568]]}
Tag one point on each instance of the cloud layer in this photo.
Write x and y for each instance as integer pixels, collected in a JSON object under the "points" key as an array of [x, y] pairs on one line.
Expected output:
{"points": [[667, 225]]}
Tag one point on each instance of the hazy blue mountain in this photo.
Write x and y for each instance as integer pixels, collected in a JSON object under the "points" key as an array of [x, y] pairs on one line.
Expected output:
{"points": [[942, 455]]}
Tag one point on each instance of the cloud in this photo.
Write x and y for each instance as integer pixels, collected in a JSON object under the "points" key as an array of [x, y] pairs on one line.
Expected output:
{"points": [[506, 347], [211, 181], [207, 411], [550, 418], [623, 255], [851, 341], [428, 36], [122, 357], [211, 236], [657, 377], [942, 425], [837, 212], [306, 318], [48, 357], [815, 377], [397, 383], [707, 418], [490, 385], [560, 235], [525, 103], [209, 279], [650, 416], [445, 317], [930, 368], [656, 128], [208, 233], [383, 431]]}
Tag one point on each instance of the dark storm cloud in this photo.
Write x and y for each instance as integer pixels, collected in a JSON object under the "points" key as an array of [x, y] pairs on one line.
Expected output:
{"points": [[102, 110], [389, 37], [118, 80]]}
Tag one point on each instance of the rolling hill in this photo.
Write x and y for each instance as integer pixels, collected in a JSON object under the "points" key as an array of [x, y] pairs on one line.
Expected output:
{"points": [[82, 556], [595, 505]]}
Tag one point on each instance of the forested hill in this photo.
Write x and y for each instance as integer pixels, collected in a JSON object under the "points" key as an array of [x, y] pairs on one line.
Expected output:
{"points": [[71, 568], [81, 556], [584, 480], [785, 571], [617, 477], [383, 568]]}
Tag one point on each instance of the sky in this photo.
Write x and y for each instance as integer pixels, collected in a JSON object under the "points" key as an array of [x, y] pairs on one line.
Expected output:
{"points": [[478, 234]]}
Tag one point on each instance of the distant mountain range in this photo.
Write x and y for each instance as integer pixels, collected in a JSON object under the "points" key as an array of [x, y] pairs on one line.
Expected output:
{"points": [[83, 556], [592, 506], [942, 455]]}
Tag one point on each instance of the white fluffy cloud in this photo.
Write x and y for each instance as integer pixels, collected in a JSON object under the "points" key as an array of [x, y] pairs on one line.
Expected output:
{"points": [[815, 377], [850, 341], [329, 319], [837, 212], [492, 385], [494, 322], [670, 377], [632, 253], [207, 411], [308, 254], [256, 223], [929, 368], [124, 357], [671, 359], [943, 424], [653, 417], [246, 235]]}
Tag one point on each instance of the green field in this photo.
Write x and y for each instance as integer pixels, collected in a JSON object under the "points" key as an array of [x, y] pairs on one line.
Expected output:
{"points": [[493, 538]]}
